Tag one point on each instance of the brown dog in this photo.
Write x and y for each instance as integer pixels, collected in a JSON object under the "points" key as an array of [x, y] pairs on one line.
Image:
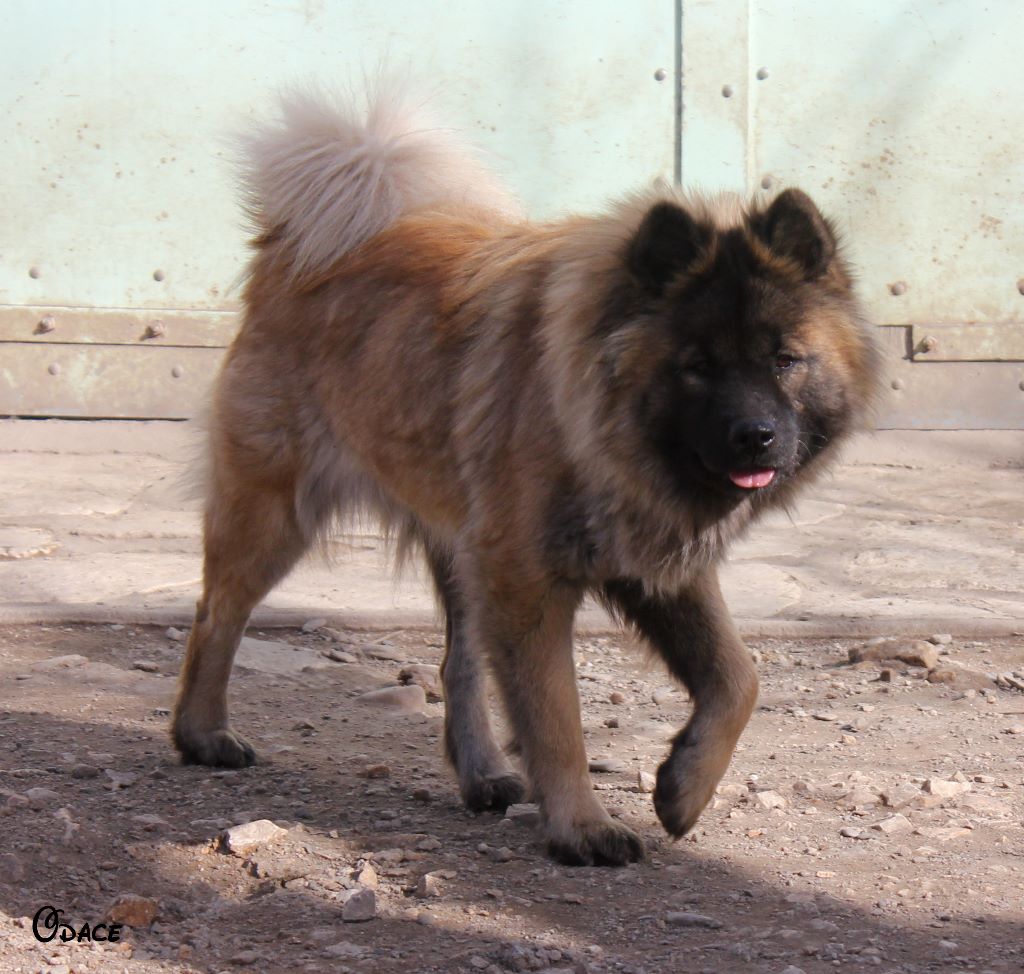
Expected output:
{"points": [[600, 404]]}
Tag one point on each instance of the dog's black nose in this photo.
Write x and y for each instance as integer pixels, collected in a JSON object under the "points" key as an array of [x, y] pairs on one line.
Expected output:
{"points": [[751, 435]]}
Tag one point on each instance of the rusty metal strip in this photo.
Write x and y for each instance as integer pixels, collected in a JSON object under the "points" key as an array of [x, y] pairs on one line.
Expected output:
{"points": [[947, 395], [1001, 342], [113, 326], [105, 381]]}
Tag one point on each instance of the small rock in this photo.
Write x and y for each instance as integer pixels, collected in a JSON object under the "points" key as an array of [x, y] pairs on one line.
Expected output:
{"points": [[824, 716], [945, 675], [430, 884], [860, 796], [243, 839], [119, 779], [946, 789], [793, 969], [245, 957], [426, 675], [612, 722], [607, 765], [525, 814], [1015, 730], [340, 656], [41, 797], [646, 782], [11, 868], [313, 624], [133, 910], [376, 771], [852, 833], [893, 825], [940, 639], [985, 806], [84, 771], [361, 905], [686, 919], [428, 844], [147, 666], [366, 876], [424, 795], [900, 795], [411, 699], [662, 695], [769, 800], [914, 652], [176, 634], [616, 698]]}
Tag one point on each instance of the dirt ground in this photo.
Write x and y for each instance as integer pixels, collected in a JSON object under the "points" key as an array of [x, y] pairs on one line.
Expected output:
{"points": [[865, 822]]}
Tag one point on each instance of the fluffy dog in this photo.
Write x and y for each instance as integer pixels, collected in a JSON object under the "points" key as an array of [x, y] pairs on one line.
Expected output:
{"points": [[598, 404]]}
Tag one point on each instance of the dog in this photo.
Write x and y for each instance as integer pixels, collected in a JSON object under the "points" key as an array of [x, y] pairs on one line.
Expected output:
{"points": [[599, 404]]}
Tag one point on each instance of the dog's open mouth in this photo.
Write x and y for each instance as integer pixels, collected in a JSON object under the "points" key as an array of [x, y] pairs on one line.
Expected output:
{"points": [[752, 479]]}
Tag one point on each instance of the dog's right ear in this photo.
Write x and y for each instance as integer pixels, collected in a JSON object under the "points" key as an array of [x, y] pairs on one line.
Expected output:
{"points": [[668, 241]]}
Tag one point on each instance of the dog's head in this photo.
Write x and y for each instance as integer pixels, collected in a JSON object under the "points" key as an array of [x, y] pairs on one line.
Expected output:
{"points": [[733, 346]]}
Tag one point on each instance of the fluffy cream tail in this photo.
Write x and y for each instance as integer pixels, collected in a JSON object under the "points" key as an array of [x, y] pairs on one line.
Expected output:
{"points": [[326, 177]]}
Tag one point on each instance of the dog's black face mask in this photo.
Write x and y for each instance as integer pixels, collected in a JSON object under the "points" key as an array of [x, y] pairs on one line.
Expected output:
{"points": [[746, 397]]}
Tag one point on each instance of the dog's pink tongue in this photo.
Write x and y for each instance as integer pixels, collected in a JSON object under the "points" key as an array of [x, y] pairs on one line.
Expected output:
{"points": [[752, 479]]}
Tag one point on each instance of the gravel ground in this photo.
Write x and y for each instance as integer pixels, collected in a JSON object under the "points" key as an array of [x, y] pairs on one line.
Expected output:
{"points": [[873, 816]]}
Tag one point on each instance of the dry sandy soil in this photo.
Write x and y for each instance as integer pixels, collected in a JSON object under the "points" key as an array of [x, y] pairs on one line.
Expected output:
{"points": [[864, 823]]}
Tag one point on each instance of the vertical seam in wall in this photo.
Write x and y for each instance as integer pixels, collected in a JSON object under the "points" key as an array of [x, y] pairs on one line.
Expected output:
{"points": [[750, 87], [677, 172]]}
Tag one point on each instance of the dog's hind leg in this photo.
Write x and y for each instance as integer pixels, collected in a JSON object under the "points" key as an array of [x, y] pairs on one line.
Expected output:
{"points": [[251, 540], [486, 779], [693, 633]]}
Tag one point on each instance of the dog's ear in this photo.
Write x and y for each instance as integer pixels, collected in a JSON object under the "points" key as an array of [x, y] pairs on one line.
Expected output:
{"points": [[667, 241], [793, 227]]}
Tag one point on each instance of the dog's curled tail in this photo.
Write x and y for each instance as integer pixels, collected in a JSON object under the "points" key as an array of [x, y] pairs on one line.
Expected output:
{"points": [[325, 177]]}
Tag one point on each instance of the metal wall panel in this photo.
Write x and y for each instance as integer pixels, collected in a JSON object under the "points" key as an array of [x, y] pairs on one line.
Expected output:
{"points": [[901, 118], [113, 162]]}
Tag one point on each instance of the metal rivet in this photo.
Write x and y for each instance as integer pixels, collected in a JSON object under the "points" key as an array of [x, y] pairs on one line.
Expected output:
{"points": [[762, 73], [928, 344], [727, 91], [54, 368], [46, 324], [767, 182], [1020, 285], [897, 384], [177, 371], [158, 275], [155, 329], [660, 75], [900, 287], [34, 272]]}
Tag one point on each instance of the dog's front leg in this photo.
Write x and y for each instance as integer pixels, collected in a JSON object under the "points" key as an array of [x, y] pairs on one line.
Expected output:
{"points": [[526, 629], [693, 633]]}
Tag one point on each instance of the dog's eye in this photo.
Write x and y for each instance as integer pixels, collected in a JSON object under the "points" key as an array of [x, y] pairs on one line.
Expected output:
{"points": [[697, 367], [784, 361]]}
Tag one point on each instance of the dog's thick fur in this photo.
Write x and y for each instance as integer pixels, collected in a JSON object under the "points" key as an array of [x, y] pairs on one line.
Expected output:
{"points": [[599, 404]]}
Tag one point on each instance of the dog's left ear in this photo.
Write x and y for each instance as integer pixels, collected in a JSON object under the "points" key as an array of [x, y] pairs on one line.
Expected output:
{"points": [[793, 227]]}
